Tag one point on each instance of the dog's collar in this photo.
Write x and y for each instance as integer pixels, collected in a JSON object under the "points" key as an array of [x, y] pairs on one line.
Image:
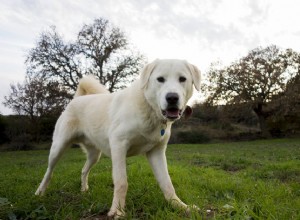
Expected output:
{"points": [[163, 129]]}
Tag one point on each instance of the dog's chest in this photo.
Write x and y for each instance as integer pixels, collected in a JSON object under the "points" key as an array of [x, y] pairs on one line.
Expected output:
{"points": [[144, 142]]}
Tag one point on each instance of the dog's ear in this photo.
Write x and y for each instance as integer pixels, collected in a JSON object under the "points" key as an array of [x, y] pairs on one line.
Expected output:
{"points": [[188, 111], [196, 75], [146, 72]]}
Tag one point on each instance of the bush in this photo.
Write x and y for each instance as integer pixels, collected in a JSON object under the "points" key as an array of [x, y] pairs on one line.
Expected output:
{"points": [[22, 142], [47, 127], [206, 113], [192, 137]]}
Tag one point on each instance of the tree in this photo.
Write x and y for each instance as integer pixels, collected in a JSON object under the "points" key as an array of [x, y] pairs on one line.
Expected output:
{"points": [[37, 99], [292, 92], [254, 79], [287, 117], [54, 60], [100, 49]]}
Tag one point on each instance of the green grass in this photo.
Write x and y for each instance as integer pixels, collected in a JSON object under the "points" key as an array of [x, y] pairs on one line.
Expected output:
{"points": [[242, 180]]}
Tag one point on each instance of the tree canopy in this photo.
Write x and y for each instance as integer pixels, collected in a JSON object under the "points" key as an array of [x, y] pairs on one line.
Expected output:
{"points": [[100, 49], [254, 79], [37, 98]]}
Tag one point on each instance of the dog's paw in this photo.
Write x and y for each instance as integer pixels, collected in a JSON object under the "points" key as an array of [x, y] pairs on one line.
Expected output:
{"points": [[84, 188], [39, 192], [116, 214], [191, 208]]}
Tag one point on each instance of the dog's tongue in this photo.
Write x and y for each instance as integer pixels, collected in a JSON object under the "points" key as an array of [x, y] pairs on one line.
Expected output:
{"points": [[173, 113]]}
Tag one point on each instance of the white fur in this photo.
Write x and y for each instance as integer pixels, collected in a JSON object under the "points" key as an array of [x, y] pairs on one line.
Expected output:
{"points": [[125, 123]]}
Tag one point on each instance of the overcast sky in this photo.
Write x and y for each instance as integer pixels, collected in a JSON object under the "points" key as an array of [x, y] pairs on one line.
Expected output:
{"points": [[200, 31]]}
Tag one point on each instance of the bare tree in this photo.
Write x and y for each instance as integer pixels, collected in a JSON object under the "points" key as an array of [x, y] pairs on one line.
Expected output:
{"points": [[52, 59], [100, 49], [37, 99], [254, 79]]}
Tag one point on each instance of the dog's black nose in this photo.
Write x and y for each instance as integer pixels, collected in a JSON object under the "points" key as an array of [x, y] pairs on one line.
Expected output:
{"points": [[172, 98]]}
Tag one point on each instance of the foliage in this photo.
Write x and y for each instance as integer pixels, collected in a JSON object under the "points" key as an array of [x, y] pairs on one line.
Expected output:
{"points": [[288, 102], [18, 132], [241, 180], [16, 125], [254, 79], [100, 49], [192, 137], [37, 99], [22, 142]]}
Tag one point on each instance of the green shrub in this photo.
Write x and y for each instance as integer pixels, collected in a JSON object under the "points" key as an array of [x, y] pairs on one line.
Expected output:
{"points": [[192, 137], [22, 142]]}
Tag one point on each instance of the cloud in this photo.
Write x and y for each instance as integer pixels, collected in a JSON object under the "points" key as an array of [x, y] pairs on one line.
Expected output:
{"points": [[200, 31]]}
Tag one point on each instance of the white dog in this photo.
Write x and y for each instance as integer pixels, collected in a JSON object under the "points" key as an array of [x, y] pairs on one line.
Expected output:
{"points": [[136, 120]]}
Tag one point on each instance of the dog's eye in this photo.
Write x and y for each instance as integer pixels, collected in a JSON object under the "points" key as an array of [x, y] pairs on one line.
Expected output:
{"points": [[182, 79], [161, 79]]}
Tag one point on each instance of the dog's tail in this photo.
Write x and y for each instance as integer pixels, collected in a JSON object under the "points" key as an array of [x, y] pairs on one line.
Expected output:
{"points": [[89, 85]]}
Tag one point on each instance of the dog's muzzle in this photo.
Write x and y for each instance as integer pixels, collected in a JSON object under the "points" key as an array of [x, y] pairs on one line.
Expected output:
{"points": [[172, 111]]}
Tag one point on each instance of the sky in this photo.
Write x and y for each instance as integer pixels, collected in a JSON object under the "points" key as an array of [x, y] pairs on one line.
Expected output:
{"points": [[199, 31]]}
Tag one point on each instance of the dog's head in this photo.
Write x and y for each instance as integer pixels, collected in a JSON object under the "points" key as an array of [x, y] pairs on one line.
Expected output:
{"points": [[168, 85]]}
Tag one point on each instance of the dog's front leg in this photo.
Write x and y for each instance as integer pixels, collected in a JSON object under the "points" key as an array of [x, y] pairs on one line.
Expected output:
{"points": [[118, 156], [158, 162]]}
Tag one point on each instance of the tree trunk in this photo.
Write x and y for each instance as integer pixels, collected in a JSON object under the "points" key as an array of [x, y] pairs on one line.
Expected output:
{"points": [[263, 126], [261, 115]]}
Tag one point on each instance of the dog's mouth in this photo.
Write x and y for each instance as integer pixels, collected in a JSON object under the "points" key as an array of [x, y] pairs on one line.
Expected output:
{"points": [[172, 113]]}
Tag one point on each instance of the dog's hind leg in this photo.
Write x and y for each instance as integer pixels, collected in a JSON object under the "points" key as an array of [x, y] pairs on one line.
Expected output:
{"points": [[93, 155], [65, 131], [56, 151]]}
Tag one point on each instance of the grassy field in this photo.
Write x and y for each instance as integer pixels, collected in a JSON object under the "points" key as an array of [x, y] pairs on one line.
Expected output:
{"points": [[242, 180]]}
